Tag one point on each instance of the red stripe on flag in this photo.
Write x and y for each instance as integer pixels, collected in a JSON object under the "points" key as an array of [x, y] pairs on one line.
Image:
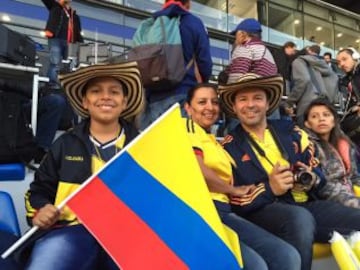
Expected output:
{"points": [[127, 238]]}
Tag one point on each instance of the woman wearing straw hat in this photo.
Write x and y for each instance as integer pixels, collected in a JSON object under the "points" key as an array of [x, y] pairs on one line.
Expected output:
{"points": [[104, 95]]}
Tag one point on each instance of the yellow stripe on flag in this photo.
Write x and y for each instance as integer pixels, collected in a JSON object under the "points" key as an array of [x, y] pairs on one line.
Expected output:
{"points": [[180, 166]]}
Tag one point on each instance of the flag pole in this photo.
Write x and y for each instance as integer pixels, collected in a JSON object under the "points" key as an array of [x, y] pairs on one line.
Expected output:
{"points": [[19, 242], [30, 232]]}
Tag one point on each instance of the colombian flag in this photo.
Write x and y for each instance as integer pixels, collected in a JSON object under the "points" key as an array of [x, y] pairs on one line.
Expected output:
{"points": [[150, 208]]}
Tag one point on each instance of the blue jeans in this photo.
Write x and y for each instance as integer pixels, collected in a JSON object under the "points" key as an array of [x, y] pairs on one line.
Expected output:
{"points": [[50, 111], [154, 109], [332, 216], [276, 253], [58, 51], [68, 248], [302, 225], [294, 224]]}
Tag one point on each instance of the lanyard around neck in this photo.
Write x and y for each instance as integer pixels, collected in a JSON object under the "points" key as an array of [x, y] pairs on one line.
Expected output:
{"points": [[261, 151]]}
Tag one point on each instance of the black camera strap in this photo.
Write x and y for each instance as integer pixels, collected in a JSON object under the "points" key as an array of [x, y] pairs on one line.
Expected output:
{"points": [[261, 151]]}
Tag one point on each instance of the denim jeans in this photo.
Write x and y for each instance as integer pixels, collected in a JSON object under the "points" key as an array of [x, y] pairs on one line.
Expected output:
{"points": [[154, 109], [276, 253], [332, 216], [302, 225], [50, 111], [292, 223], [58, 52], [68, 248]]}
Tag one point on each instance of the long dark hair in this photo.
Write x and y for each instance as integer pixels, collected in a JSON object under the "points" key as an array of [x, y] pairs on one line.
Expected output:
{"points": [[191, 92], [336, 133]]}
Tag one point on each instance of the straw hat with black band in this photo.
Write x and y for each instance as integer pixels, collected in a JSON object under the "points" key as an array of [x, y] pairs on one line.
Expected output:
{"points": [[272, 85], [127, 73]]}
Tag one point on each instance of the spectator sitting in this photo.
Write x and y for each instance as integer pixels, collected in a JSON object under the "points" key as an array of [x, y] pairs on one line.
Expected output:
{"points": [[250, 54], [195, 45], [336, 153], [104, 95], [268, 154], [202, 107]]}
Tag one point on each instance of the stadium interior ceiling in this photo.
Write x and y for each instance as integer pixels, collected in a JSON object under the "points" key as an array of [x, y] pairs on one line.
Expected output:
{"points": [[350, 5]]}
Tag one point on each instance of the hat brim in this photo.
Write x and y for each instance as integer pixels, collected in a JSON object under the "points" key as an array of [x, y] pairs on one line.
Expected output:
{"points": [[273, 86], [128, 73]]}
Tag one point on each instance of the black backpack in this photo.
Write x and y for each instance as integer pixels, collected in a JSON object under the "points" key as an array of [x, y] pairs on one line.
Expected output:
{"points": [[17, 142]]}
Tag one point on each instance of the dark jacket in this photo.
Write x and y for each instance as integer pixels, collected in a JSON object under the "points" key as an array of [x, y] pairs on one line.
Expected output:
{"points": [[250, 171], [57, 22], [352, 78], [195, 42], [68, 163]]}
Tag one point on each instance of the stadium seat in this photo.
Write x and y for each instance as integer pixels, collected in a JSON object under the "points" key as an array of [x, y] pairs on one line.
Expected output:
{"points": [[321, 250], [8, 218], [12, 172]]}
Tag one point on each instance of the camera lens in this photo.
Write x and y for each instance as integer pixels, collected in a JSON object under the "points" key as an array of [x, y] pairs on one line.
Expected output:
{"points": [[305, 178]]}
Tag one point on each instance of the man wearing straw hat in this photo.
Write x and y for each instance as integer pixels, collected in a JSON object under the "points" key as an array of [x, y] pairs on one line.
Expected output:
{"points": [[105, 95], [279, 159]]}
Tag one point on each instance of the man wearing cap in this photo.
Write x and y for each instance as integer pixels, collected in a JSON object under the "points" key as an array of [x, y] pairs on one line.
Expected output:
{"points": [[279, 159], [250, 53], [105, 95]]}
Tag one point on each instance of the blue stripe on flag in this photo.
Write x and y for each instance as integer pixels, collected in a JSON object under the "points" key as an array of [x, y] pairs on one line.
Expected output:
{"points": [[184, 231]]}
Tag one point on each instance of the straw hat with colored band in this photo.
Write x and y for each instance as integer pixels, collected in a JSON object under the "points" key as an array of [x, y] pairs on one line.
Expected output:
{"points": [[273, 85], [128, 73]]}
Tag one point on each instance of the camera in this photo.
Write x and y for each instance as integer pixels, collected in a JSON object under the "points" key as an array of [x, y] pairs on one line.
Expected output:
{"points": [[303, 177]]}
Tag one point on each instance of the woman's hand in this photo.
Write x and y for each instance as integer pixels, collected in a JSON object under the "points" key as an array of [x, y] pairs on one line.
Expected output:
{"points": [[240, 191]]}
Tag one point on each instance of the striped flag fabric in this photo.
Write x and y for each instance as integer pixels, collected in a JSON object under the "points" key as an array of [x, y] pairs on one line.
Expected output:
{"points": [[149, 207]]}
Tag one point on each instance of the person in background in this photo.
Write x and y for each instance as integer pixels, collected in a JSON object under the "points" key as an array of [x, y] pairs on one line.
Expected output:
{"points": [[328, 57], [336, 153], [348, 61], [257, 245], [62, 28], [250, 54], [311, 78], [104, 95], [195, 45], [283, 61], [279, 159]]}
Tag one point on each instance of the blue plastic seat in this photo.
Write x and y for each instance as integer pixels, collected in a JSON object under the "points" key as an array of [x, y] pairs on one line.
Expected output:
{"points": [[12, 172], [8, 218]]}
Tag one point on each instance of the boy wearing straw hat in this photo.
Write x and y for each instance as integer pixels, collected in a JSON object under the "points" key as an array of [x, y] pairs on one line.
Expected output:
{"points": [[279, 159], [105, 96]]}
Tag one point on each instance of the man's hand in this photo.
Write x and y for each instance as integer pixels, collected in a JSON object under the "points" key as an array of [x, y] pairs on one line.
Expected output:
{"points": [[46, 216], [281, 179]]}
